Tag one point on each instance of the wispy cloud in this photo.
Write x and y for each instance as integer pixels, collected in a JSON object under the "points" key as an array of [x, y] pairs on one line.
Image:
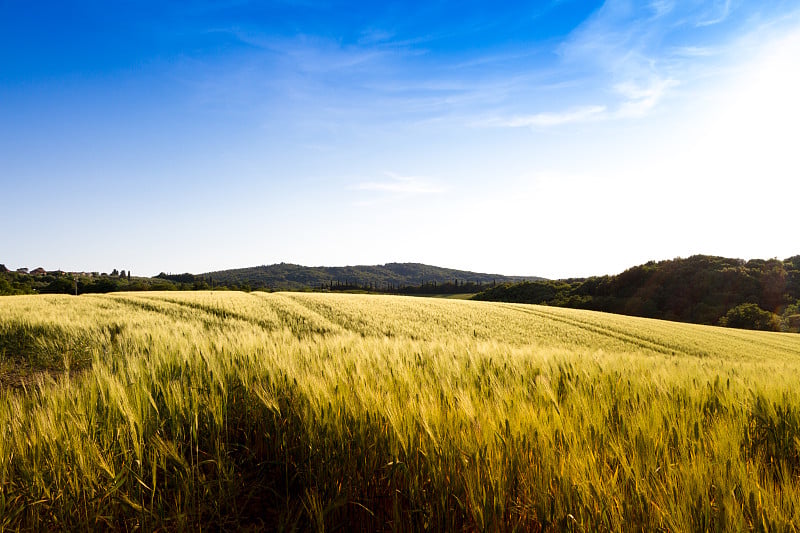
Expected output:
{"points": [[545, 120], [662, 7], [623, 62], [317, 55], [693, 51], [635, 57], [375, 35], [398, 185], [719, 12], [641, 98], [638, 99]]}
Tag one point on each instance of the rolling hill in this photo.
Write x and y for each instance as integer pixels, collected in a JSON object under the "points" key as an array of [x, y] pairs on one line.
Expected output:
{"points": [[755, 294], [291, 276]]}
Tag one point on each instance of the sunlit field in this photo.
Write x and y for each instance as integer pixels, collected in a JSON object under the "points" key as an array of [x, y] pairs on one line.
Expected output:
{"points": [[230, 410]]}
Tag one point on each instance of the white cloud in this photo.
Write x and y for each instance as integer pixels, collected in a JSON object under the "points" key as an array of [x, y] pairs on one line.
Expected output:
{"points": [[635, 57], [401, 185], [693, 51], [544, 120], [639, 98], [719, 12], [662, 7], [375, 35]]}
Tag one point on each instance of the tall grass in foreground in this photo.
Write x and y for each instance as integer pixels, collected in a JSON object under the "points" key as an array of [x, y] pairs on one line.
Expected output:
{"points": [[236, 411]]}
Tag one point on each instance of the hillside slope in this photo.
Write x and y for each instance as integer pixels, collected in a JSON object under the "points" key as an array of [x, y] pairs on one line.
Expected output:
{"points": [[291, 276], [755, 294]]}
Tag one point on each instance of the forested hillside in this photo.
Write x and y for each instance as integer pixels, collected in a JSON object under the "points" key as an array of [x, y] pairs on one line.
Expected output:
{"points": [[391, 276], [400, 278], [756, 294]]}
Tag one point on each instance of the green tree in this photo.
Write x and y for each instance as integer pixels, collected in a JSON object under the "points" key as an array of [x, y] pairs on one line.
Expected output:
{"points": [[60, 285], [773, 285], [750, 316], [5, 287], [790, 320]]}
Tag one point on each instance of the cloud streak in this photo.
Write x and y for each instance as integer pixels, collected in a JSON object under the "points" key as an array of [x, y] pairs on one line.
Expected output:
{"points": [[638, 99], [398, 185], [721, 14], [630, 59], [550, 119]]}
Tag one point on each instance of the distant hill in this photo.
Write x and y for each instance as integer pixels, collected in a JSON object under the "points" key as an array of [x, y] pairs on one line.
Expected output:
{"points": [[397, 278], [379, 277], [755, 294]]}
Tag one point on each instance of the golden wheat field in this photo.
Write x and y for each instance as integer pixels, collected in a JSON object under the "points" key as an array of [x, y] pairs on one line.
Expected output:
{"points": [[301, 411]]}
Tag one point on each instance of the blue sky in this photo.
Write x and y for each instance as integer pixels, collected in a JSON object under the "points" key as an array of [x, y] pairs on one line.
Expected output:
{"points": [[559, 138]]}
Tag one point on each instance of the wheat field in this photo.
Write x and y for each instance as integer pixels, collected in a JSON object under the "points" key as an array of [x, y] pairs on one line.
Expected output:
{"points": [[301, 411]]}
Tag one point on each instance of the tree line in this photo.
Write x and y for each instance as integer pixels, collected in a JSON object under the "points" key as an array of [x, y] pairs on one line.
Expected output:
{"points": [[120, 280], [58, 282], [756, 294]]}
